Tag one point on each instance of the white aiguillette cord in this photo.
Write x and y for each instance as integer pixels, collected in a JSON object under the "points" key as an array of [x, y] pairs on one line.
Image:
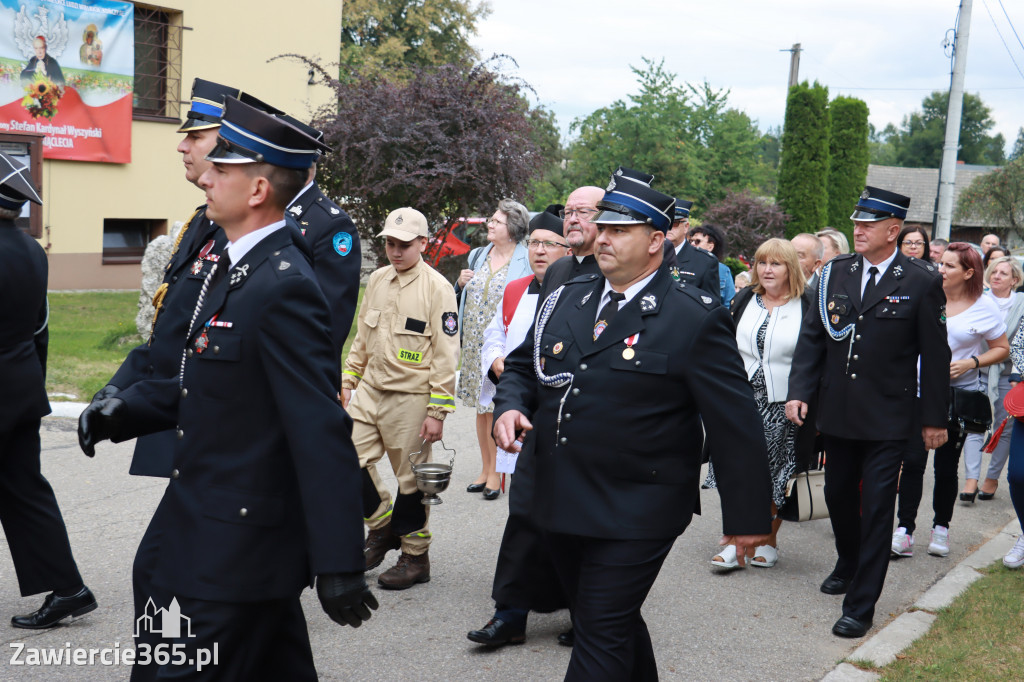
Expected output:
{"points": [[558, 380], [195, 315]]}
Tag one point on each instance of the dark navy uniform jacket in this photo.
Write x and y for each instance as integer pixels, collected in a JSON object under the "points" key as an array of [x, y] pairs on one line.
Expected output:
{"points": [[337, 257], [868, 381], [160, 357], [265, 489], [699, 268], [23, 273], [615, 467]]}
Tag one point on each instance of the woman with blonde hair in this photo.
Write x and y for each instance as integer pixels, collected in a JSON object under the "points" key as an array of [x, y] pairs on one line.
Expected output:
{"points": [[767, 315]]}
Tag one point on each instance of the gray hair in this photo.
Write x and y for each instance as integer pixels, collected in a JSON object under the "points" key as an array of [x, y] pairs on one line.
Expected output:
{"points": [[518, 219], [837, 238], [10, 213], [819, 248]]}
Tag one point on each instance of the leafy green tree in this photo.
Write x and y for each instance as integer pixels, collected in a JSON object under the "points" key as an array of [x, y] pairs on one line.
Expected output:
{"points": [[747, 220], [1018, 145], [848, 158], [685, 135], [881, 145], [996, 197], [393, 36], [919, 139], [804, 169]]}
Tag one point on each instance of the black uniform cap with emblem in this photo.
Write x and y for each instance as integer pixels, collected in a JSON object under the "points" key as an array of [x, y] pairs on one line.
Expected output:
{"points": [[248, 135], [207, 106], [629, 200], [878, 204], [639, 176], [682, 209], [16, 184]]}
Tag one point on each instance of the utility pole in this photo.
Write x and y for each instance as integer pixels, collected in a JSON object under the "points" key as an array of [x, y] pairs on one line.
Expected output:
{"points": [[794, 64], [947, 171]]}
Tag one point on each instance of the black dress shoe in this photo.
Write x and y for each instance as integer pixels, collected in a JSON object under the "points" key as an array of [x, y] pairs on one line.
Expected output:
{"points": [[497, 633], [567, 638], [835, 585], [55, 609], [969, 497], [491, 494], [982, 495], [475, 487], [848, 626]]}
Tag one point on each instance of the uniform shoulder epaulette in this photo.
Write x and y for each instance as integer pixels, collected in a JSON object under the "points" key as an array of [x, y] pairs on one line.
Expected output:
{"points": [[287, 262], [706, 253], [582, 279], [924, 265], [844, 256], [696, 294], [326, 205]]}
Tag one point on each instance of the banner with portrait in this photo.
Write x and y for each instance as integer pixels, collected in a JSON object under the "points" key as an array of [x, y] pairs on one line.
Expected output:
{"points": [[67, 70]]}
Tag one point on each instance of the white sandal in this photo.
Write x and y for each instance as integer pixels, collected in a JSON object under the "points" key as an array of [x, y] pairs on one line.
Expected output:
{"points": [[765, 556], [728, 558]]}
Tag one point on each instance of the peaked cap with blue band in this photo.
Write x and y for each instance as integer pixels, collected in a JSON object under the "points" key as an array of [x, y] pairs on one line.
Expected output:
{"points": [[627, 200], [207, 105], [878, 204], [248, 135], [682, 211], [16, 184]]}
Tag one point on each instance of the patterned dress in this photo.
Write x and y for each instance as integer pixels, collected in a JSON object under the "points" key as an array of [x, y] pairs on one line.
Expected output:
{"points": [[483, 294], [779, 432]]}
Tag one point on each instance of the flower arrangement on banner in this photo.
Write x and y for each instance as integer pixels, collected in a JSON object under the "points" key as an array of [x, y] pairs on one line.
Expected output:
{"points": [[41, 97]]}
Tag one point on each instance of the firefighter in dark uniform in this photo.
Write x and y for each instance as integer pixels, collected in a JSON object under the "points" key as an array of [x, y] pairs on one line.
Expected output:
{"points": [[337, 256], [878, 311], [608, 395], [31, 518], [265, 490], [693, 264], [196, 248]]}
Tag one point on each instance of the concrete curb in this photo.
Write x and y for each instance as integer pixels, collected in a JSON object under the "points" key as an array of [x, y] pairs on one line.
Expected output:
{"points": [[882, 649], [67, 409]]}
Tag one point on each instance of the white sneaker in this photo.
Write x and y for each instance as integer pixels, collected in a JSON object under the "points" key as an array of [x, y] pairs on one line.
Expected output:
{"points": [[902, 544], [1015, 557], [939, 545]]}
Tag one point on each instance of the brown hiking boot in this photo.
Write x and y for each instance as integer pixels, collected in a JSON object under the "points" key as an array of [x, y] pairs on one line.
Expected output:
{"points": [[407, 572], [378, 543]]}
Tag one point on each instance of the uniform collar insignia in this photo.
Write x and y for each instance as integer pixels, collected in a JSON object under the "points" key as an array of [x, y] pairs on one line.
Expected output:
{"points": [[898, 271], [854, 265], [295, 210], [239, 274], [648, 302]]}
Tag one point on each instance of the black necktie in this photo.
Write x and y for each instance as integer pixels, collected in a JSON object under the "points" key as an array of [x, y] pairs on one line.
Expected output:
{"points": [[604, 318], [870, 286]]}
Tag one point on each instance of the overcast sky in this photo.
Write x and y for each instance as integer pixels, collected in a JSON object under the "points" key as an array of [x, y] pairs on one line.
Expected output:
{"points": [[889, 53]]}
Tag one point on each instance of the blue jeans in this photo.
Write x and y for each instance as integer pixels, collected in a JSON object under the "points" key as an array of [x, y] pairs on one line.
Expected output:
{"points": [[1015, 468]]}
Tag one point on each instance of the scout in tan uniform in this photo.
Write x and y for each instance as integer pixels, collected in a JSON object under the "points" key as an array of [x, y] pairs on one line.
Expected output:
{"points": [[403, 361]]}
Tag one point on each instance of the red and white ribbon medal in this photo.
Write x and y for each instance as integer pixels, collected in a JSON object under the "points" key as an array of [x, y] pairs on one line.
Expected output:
{"points": [[628, 352]]}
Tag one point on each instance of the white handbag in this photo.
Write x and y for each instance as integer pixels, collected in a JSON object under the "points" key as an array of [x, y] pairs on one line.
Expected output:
{"points": [[805, 497]]}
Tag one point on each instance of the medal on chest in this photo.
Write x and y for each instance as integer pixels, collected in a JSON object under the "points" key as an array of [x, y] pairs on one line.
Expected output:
{"points": [[628, 352]]}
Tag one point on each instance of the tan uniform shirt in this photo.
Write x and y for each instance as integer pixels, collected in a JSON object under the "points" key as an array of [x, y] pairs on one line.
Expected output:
{"points": [[407, 339]]}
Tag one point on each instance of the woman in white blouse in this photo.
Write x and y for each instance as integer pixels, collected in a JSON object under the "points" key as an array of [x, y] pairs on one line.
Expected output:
{"points": [[767, 315]]}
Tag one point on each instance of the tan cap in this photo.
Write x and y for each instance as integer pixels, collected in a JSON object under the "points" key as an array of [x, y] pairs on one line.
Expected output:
{"points": [[405, 224]]}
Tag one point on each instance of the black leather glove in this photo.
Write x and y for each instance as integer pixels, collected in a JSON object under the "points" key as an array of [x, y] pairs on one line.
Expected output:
{"points": [[345, 597], [108, 391], [97, 422]]}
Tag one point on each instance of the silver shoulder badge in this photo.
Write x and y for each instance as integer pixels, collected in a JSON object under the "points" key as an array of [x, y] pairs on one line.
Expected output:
{"points": [[586, 298], [706, 300], [648, 302], [284, 265], [334, 211]]}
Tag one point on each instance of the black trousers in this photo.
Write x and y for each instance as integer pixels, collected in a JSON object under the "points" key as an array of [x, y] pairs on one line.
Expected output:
{"points": [[607, 582], [946, 463], [862, 515], [31, 518], [263, 640]]}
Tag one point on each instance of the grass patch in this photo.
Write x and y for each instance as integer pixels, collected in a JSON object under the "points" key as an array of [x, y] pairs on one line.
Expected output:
{"points": [[980, 636], [90, 335]]}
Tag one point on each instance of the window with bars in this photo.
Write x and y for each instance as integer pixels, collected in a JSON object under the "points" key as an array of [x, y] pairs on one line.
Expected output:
{"points": [[157, 63]]}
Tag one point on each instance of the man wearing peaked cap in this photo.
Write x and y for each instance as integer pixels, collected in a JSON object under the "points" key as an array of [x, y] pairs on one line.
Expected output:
{"points": [[694, 265], [334, 240], [613, 489], [403, 362], [879, 314], [31, 518], [264, 494]]}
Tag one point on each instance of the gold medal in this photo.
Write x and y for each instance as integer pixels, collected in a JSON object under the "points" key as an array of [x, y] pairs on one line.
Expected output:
{"points": [[628, 353], [832, 305]]}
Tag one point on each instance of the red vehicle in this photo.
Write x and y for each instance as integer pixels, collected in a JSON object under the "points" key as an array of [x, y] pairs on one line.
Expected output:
{"points": [[446, 243]]}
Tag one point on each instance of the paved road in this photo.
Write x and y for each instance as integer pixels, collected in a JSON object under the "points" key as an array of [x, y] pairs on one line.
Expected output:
{"points": [[753, 624]]}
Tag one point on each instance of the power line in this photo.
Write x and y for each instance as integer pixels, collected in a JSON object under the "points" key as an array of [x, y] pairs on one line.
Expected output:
{"points": [[841, 87], [1010, 23], [999, 33]]}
